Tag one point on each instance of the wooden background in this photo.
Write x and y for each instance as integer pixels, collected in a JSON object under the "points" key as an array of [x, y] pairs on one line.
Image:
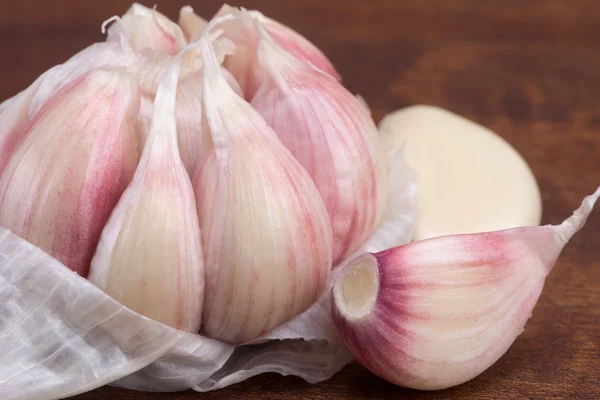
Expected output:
{"points": [[530, 70]]}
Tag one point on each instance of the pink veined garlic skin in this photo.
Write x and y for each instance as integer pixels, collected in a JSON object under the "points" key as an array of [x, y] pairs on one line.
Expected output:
{"points": [[328, 131], [75, 159], [265, 229], [242, 63], [436, 313]]}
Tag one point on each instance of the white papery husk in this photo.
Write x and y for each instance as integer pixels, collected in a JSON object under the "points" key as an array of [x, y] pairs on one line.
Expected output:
{"points": [[60, 335]]}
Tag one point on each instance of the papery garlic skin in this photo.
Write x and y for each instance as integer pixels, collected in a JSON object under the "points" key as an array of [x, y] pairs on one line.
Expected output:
{"points": [[328, 132], [242, 63], [436, 313], [265, 230], [149, 257], [192, 24], [75, 159], [146, 28]]}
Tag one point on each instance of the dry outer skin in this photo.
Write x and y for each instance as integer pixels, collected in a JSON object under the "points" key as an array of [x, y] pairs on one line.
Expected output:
{"points": [[528, 72]]}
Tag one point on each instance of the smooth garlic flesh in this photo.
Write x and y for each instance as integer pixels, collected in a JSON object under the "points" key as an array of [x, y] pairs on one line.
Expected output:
{"points": [[150, 254], [438, 312], [470, 179], [328, 131], [75, 159], [265, 230]]}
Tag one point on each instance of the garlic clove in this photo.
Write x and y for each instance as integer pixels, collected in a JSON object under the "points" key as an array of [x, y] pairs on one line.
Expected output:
{"points": [[486, 185], [436, 313], [265, 230], [242, 63], [146, 28], [75, 159], [192, 24], [13, 122], [149, 257], [328, 131]]}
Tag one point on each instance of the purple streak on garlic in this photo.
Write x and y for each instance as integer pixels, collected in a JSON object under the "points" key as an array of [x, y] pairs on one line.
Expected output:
{"points": [[150, 254], [328, 131], [146, 28], [191, 24], [265, 230], [242, 63], [436, 313], [75, 159]]}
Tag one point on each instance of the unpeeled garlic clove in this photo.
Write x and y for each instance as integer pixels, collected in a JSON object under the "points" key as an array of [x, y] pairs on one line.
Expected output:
{"points": [[75, 159], [149, 257], [146, 28], [328, 131], [265, 229], [438, 312], [192, 24], [242, 63]]}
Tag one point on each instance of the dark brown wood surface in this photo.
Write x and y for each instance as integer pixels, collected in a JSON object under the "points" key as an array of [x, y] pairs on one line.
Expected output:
{"points": [[530, 70]]}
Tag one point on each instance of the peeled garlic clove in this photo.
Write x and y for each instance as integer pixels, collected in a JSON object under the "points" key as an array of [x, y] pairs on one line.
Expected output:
{"points": [[192, 24], [150, 256], [436, 313], [242, 63], [74, 161], [485, 184], [13, 122], [265, 229], [328, 131], [146, 28]]}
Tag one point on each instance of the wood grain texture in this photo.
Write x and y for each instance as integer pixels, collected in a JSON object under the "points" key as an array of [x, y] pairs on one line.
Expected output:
{"points": [[528, 70]]}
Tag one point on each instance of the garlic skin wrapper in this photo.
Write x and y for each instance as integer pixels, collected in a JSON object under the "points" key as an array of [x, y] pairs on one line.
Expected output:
{"points": [[146, 28], [191, 24], [75, 159], [242, 63], [149, 257], [484, 183], [436, 313], [265, 230], [328, 132]]}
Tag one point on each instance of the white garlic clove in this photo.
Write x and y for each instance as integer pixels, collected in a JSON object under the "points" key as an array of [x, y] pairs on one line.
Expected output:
{"points": [[75, 159], [436, 313], [146, 28], [484, 183], [242, 63], [192, 24], [149, 257], [328, 131], [265, 230]]}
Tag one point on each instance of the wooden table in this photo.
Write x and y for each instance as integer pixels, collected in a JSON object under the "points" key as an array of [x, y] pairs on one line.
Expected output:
{"points": [[528, 70]]}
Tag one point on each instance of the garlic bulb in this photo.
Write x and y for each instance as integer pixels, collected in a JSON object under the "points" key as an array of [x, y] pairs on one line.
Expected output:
{"points": [[75, 159], [192, 24], [242, 63], [150, 256], [438, 312], [328, 132], [146, 28], [265, 230]]}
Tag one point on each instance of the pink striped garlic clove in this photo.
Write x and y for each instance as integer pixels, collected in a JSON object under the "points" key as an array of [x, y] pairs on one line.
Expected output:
{"points": [[191, 24], [436, 313], [265, 229], [149, 257], [243, 62], [13, 122], [328, 131], [75, 159], [146, 28]]}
